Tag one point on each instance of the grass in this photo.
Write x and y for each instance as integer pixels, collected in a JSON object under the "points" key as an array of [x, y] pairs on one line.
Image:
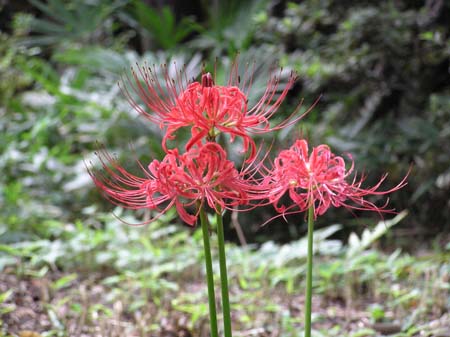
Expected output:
{"points": [[114, 280]]}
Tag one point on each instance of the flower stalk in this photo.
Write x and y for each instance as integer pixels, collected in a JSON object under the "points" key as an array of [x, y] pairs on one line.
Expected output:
{"points": [[223, 277], [209, 273], [309, 265]]}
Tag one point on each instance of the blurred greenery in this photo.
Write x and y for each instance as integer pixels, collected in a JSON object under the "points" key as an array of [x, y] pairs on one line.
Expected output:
{"points": [[146, 274], [381, 69]]}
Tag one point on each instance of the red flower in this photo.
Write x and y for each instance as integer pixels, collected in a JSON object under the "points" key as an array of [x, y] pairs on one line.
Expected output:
{"points": [[209, 109], [201, 175], [319, 180]]}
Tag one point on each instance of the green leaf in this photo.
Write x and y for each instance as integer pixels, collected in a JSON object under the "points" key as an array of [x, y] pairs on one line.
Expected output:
{"points": [[356, 245], [364, 332], [5, 296], [64, 281]]}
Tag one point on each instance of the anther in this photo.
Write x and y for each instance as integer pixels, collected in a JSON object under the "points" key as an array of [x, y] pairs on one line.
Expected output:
{"points": [[207, 80]]}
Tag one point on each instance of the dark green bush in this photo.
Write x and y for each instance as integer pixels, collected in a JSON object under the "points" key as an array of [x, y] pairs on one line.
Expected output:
{"points": [[383, 70]]}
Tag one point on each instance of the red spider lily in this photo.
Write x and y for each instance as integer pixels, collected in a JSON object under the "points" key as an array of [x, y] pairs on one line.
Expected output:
{"points": [[188, 181], [320, 180], [209, 109]]}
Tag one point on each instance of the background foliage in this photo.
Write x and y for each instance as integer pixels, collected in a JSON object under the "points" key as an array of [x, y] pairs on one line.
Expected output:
{"points": [[382, 69]]}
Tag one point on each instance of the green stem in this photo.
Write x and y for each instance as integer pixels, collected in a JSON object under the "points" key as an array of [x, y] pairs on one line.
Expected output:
{"points": [[209, 274], [309, 265], [223, 278]]}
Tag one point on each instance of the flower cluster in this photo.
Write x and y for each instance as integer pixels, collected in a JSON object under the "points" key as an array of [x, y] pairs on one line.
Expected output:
{"points": [[203, 175], [187, 181], [209, 109], [319, 180]]}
